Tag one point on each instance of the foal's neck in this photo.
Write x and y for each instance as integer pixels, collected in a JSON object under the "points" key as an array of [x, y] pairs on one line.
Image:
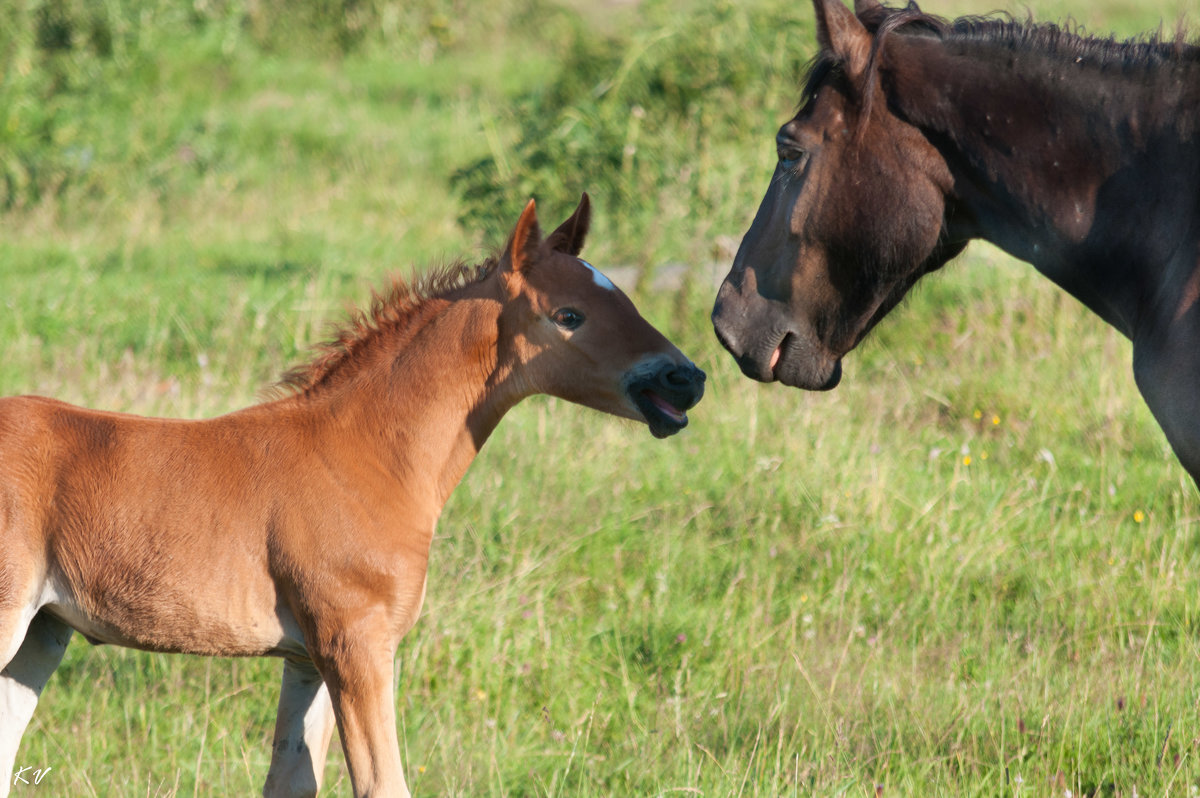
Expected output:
{"points": [[420, 406]]}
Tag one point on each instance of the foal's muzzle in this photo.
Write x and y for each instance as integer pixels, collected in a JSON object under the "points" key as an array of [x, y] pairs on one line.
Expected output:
{"points": [[664, 392]]}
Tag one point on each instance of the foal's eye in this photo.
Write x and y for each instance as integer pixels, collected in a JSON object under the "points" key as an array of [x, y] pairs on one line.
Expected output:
{"points": [[568, 318]]}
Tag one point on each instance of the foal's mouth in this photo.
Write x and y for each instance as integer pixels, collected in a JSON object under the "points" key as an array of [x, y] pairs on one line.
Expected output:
{"points": [[664, 398], [662, 416]]}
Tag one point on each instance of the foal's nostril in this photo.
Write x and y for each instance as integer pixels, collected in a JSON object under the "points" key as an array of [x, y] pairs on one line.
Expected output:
{"points": [[676, 378], [682, 377]]}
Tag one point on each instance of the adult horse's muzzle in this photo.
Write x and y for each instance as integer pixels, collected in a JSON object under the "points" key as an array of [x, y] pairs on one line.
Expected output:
{"points": [[663, 391], [768, 345]]}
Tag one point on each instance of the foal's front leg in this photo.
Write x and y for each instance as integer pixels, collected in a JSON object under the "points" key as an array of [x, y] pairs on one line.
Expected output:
{"points": [[21, 683], [303, 729], [360, 685]]}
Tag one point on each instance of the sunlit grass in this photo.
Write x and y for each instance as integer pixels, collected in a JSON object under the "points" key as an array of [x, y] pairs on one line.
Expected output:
{"points": [[967, 571]]}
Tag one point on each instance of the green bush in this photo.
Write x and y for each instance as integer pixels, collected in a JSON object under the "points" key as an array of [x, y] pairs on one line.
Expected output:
{"points": [[627, 116]]}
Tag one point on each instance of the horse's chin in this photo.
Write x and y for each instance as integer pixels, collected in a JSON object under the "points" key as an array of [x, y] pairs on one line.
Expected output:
{"points": [[802, 362], [796, 361], [809, 376]]}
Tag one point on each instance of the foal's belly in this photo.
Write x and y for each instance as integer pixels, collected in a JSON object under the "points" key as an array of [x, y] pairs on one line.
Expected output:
{"points": [[213, 623]]}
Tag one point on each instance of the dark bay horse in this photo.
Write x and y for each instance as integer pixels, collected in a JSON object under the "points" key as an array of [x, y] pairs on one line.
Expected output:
{"points": [[917, 134], [301, 527]]}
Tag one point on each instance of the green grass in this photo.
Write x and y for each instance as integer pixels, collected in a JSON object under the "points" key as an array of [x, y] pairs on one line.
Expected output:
{"points": [[970, 570]]}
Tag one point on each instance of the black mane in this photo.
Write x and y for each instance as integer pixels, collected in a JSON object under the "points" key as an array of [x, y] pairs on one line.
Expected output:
{"points": [[1071, 41], [1068, 41]]}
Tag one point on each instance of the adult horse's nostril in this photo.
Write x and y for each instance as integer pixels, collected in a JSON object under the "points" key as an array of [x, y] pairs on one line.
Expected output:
{"points": [[725, 336]]}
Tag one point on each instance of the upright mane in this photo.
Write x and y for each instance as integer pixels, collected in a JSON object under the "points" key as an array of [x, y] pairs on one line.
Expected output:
{"points": [[389, 314], [1069, 41]]}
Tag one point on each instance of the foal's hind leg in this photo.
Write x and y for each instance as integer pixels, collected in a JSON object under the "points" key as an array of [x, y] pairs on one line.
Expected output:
{"points": [[21, 683], [303, 729]]}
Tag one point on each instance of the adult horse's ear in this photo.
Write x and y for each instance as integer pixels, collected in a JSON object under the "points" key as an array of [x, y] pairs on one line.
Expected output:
{"points": [[841, 33], [570, 234], [526, 238]]}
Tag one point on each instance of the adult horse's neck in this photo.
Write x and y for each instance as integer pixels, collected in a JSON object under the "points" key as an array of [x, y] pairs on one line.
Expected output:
{"points": [[1066, 160], [418, 406]]}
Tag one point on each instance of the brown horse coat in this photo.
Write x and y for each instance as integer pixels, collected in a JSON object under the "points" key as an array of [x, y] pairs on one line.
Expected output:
{"points": [[301, 528]]}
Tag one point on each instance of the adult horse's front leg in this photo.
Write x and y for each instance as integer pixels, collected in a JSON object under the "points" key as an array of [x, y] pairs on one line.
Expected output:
{"points": [[21, 683], [303, 729], [360, 685], [1166, 367]]}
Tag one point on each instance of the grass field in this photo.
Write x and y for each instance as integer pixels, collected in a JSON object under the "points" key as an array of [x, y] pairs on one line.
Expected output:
{"points": [[971, 570]]}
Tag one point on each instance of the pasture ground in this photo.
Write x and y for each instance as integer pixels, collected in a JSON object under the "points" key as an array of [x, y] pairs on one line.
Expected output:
{"points": [[971, 570]]}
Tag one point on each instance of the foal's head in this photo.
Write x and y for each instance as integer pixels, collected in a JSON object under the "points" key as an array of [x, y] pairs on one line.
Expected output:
{"points": [[577, 336]]}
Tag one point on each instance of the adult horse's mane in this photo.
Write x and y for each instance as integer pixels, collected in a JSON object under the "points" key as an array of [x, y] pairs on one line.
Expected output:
{"points": [[389, 313], [1068, 41]]}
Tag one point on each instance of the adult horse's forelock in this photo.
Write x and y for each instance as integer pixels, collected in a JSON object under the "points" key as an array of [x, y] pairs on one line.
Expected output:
{"points": [[851, 42]]}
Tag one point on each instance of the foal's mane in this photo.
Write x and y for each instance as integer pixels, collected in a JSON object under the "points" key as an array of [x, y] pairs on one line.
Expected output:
{"points": [[389, 313], [1068, 41]]}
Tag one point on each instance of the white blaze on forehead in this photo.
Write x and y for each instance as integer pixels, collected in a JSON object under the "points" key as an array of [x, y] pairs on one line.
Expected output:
{"points": [[600, 279]]}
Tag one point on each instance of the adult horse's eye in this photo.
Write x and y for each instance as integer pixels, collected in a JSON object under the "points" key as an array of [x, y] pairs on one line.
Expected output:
{"points": [[568, 318], [788, 155]]}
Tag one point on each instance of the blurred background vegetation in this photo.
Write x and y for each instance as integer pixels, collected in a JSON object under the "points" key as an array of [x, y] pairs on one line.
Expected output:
{"points": [[107, 98]]}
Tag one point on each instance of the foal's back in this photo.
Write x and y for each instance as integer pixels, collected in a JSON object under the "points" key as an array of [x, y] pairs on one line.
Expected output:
{"points": [[124, 524]]}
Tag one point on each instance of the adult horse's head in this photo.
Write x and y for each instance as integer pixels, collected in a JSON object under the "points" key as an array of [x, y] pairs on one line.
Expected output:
{"points": [[853, 216], [580, 338]]}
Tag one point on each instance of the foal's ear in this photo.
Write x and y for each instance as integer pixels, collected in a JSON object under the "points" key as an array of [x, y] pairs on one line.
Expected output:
{"points": [[525, 239], [570, 234], [841, 33]]}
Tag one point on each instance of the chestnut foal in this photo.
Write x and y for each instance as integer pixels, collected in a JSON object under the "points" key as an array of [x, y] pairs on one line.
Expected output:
{"points": [[301, 527]]}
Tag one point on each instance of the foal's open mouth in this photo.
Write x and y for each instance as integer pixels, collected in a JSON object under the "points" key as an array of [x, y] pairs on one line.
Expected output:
{"points": [[662, 416], [664, 395]]}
